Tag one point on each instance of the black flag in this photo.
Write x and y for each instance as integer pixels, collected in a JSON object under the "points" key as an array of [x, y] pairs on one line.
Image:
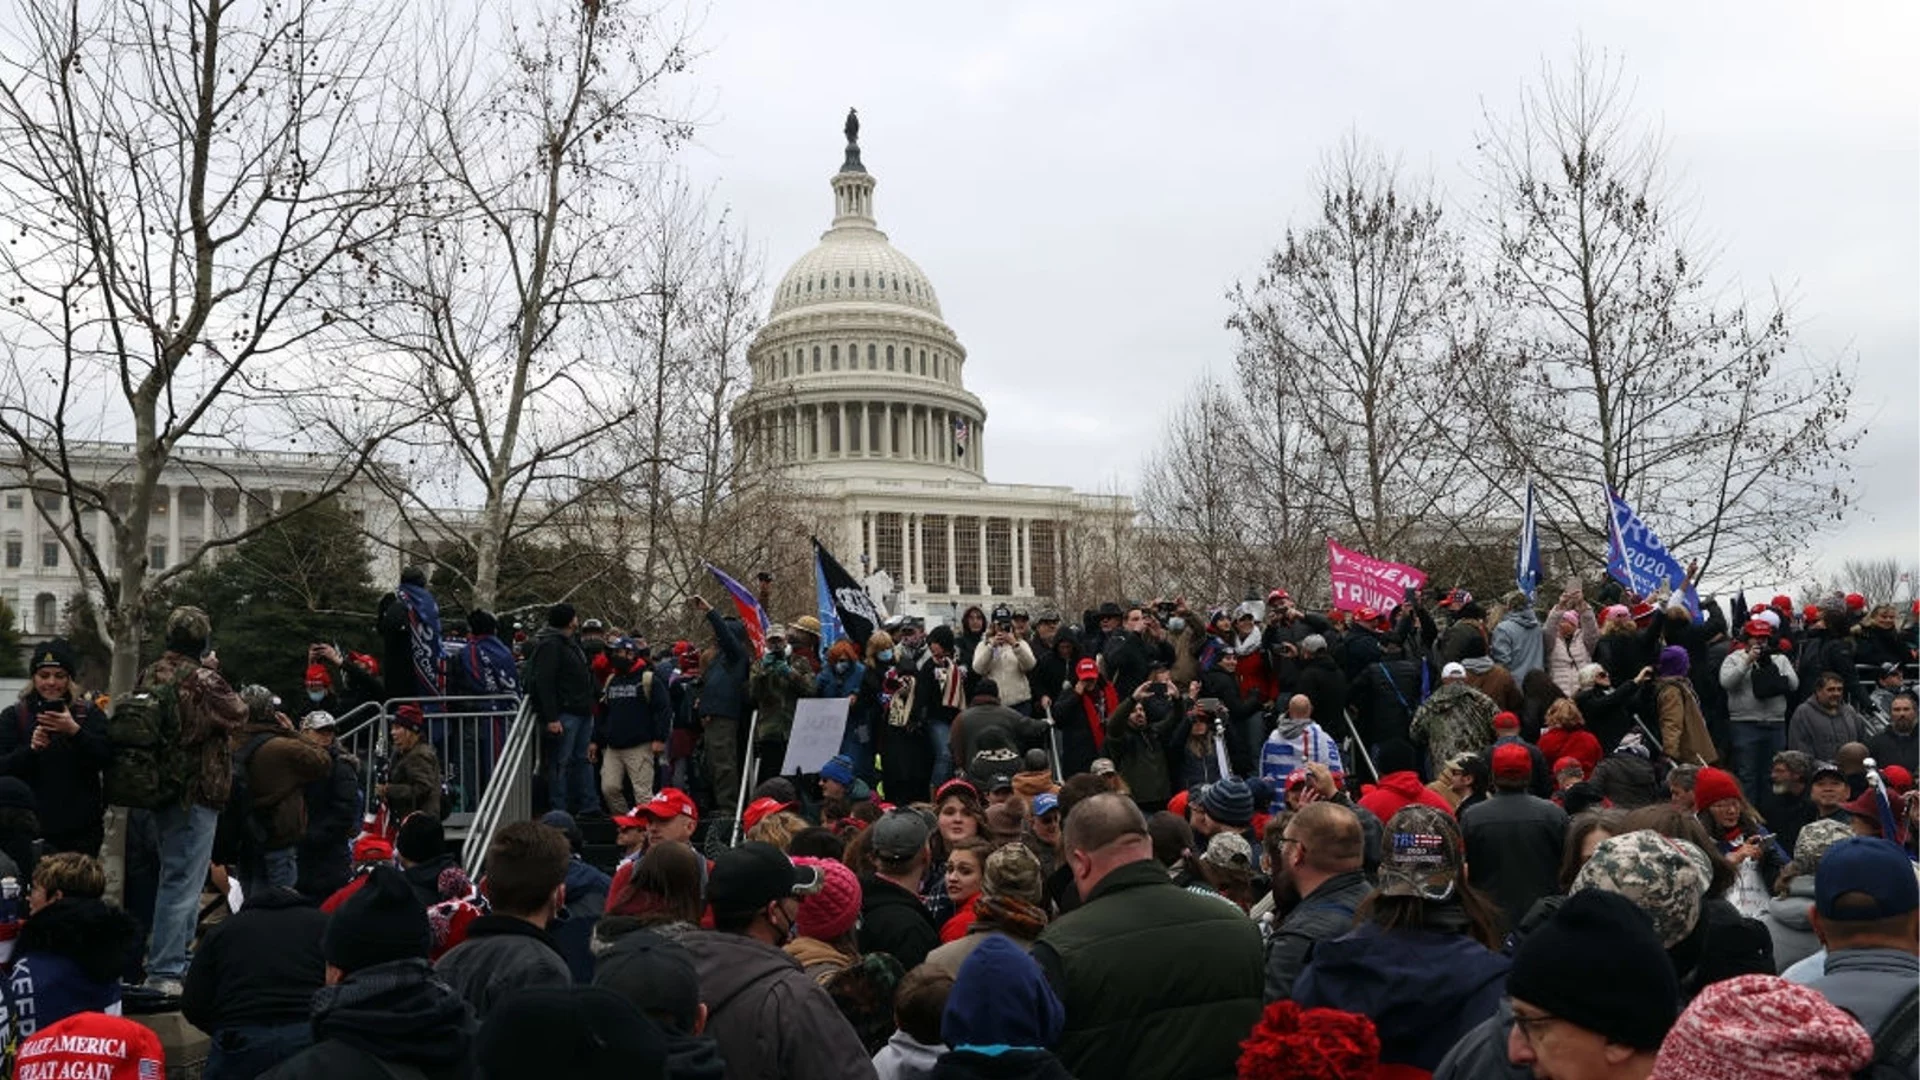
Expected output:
{"points": [[851, 604]]}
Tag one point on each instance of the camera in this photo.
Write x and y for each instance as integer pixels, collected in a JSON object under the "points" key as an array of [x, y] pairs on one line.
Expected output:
{"points": [[1005, 626]]}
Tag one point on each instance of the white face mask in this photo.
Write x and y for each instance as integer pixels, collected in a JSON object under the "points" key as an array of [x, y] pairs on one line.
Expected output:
{"points": [[316, 695]]}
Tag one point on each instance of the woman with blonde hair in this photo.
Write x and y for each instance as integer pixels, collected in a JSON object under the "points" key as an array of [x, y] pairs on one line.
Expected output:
{"points": [[1566, 735]]}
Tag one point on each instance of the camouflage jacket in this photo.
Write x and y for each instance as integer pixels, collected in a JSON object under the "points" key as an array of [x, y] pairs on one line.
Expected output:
{"points": [[209, 713], [1457, 719]]}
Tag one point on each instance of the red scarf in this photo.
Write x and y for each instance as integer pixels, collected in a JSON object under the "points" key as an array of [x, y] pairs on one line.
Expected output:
{"points": [[1097, 715]]}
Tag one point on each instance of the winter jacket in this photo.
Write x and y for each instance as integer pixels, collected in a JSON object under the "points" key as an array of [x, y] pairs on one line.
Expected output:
{"points": [[486, 668], [333, 819], [1000, 1065], [638, 710], [1624, 653], [1322, 681], [502, 954], [1423, 989], [66, 960], [1000, 1018], [1007, 666], [1139, 753], [1891, 747], [65, 777], [1481, 1054], [281, 766], [723, 682], [209, 713], [558, 676], [1746, 707], [1787, 921], [1156, 981], [1496, 682], [1870, 984], [893, 921], [1517, 645], [988, 725], [1514, 841], [395, 1012], [1576, 743], [1565, 656], [1461, 641], [1629, 781], [572, 933], [1398, 789], [1385, 694], [906, 1058], [1126, 660], [1820, 734], [1541, 783], [260, 965], [1456, 719], [424, 878], [1609, 711], [1683, 729], [770, 1019], [1322, 915], [775, 685], [413, 782]]}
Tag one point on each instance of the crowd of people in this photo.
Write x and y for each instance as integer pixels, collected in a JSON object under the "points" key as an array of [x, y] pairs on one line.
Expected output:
{"points": [[1614, 839]]}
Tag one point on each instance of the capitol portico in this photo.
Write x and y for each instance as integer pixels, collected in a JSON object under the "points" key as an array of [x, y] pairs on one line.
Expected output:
{"points": [[858, 396]]}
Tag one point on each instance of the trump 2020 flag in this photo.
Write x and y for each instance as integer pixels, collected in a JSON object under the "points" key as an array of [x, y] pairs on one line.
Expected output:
{"points": [[1526, 571], [1637, 559], [752, 615], [842, 600]]}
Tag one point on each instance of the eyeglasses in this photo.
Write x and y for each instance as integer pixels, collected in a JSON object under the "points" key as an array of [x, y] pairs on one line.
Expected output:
{"points": [[1525, 1024]]}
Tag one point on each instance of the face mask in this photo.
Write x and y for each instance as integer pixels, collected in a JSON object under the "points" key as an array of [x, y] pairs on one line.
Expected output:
{"points": [[886, 655], [841, 667], [621, 663], [316, 695]]}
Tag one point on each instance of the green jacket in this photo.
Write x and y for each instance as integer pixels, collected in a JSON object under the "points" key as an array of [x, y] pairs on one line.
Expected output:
{"points": [[774, 686], [1156, 981]]}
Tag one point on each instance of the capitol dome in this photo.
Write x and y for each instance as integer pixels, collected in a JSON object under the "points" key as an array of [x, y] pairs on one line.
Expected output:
{"points": [[856, 373]]}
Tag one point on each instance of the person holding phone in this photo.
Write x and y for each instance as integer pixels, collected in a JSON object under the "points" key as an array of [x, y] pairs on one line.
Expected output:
{"points": [[56, 740], [1756, 857], [1004, 656]]}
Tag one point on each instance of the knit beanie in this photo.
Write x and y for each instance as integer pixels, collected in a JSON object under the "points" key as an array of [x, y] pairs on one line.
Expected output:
{"points": [[1710, 785], [1674, 661], [1762, 1027], [831, 912], [1657, 873], [576, 1031], [1012, 871], [16, 795], [381, 922], [421, 838], [1291, 1042], [1625, 990], [1229, 802]]}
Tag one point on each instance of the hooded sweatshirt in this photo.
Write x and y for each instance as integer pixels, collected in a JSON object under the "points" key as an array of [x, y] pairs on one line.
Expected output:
{"points": [[1398, 789], [768, 1016], [1787, 920], [1517, 644], [1002, 1019], [1422, 989], [906, 1058], [395, 1012]]}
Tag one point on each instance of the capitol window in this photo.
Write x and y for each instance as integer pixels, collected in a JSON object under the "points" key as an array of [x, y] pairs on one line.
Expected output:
{"points": [[872, 363], [816, 358], [923, 361], [889, 358], [833, 357]]}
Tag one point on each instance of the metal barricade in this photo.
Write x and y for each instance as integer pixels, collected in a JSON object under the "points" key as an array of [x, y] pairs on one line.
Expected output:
{"points": [[510, 796]]}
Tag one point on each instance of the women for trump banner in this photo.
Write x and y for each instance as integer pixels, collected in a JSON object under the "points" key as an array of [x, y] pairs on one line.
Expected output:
{"points": [[1362, 581]]}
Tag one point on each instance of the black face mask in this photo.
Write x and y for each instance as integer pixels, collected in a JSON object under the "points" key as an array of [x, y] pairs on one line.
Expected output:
{"points": [[622, 664], [593, 645]]}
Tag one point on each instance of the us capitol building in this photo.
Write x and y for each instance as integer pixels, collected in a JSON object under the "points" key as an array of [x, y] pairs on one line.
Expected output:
{"points": [[858, 397]]}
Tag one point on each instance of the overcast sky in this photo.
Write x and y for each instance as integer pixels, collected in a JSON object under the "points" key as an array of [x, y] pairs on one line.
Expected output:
{"points": [[1083, 182]]}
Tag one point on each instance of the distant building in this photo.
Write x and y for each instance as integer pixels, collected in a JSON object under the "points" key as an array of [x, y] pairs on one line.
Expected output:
{"points": [[858, 396]]}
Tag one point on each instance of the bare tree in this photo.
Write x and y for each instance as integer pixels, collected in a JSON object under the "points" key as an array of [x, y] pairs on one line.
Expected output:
{"points": [[183, 183], [1617, 364], [1881, 581], [1199, 535], [546, 131], [1343, 342]]}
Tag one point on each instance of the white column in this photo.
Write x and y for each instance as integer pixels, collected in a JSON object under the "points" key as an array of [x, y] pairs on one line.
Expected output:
{"points": [[1026, 554], [986, 586], [174, 554], [953, 578], [840, 411]]}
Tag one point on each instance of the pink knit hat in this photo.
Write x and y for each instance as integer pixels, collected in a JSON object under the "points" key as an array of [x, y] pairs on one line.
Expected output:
{"points": [[833, 910], [1758, 1027]]}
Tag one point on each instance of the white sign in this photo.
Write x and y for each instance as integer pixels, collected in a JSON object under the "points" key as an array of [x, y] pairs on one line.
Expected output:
{"points": [[818, 724]]}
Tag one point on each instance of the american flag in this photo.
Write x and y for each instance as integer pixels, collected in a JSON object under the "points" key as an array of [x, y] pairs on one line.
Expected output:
{"points": [[150, 1069], [960, 435]]}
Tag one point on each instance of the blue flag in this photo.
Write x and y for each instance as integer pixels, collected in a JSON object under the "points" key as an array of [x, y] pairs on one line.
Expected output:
{"points": [[830, 631], [1637, 559], [1526, 569]]}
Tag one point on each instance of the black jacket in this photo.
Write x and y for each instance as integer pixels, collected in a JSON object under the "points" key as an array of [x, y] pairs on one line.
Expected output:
{"points": [[394, 1012], [1384, 694], [1007, 1065], [261, 966], [991, 724], [895, 922], [1892, 748], [333, 817], [1323, 914], [559, 677], [424, 878], [65, 777], [1514, 843], [1326, 686], [1609, 712], [1126, 659]]}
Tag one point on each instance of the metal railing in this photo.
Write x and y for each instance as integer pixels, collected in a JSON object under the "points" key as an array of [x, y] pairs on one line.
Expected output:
{"points": [[469, 735], [510, 797]]}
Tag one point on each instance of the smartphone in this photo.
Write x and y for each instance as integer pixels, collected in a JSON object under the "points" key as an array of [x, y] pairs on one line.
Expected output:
{"points": [[1409, 596]]}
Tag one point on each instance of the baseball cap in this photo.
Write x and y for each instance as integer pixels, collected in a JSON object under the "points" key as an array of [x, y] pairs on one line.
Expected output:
{"points": [[956, 786], [1045, 803], [899, 834], [1087, 668], [1826, 769], [93, 1044], [759, 808], [1000, 782], [1453, 671], [1511, 759], [1874, 875], [1102, 767], [655, 974], [318, 720], [1421, 854], [629, 821], [668, 803], [745, 877], [409, 717]]}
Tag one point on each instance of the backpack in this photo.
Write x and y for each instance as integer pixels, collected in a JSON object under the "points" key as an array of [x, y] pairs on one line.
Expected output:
{"points": [[148, 770], [1897, 1043], [239, 831]]}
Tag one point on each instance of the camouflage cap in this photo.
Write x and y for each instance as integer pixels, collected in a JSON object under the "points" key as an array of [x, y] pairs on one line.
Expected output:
{"points": [[1013, 870], [1814, 840], [188, 626], [259, 701], [1421, 854], [1657, 873]]}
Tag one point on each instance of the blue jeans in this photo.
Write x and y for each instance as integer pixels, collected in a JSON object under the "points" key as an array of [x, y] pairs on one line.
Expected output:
{"points": [[941, 732], [570, 781], [186, 847], [244, 1051], [269, 869], [1753, 748]]}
